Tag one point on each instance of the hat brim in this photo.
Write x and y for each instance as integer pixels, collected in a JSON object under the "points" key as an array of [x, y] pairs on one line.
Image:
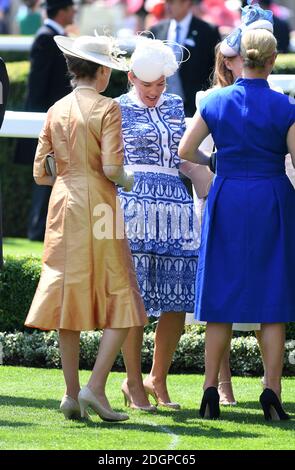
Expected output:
{"points": [[228, 51], [67, 46]]}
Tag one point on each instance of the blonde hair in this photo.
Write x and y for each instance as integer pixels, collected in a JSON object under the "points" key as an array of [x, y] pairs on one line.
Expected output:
{"points": [[222, 76], [258, 45]]}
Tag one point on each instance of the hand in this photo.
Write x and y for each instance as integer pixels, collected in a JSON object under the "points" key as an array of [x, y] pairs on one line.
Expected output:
{"points": [[44, 180], [129, 180]]}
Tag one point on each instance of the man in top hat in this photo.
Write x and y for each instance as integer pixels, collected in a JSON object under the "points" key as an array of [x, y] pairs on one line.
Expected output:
{"points": [[200, 38], [48, 82]]}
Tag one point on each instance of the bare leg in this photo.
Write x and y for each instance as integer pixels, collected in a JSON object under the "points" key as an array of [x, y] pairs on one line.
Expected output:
{"points": [[272, 344], [225, 372], [224, 382], [258, 337], [218, 336], [110, 344], [131, 350], [168, 333], [69, 345]]}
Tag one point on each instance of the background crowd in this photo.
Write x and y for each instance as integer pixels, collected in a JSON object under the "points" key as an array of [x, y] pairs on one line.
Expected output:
{"points": [[130, 16]]}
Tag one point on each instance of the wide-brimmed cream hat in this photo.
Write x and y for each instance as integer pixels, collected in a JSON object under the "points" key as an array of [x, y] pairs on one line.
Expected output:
{"points": [[101, 50]]}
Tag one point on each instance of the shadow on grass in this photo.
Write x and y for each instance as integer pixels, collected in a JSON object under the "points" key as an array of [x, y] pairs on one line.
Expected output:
{"points": [[14, 424], [232, 415], [198, 429], [6, 400], [195, 427], [254, 405]]}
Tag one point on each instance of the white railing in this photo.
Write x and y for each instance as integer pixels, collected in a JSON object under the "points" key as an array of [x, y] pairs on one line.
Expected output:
{"points": [[286, 82], [21, 124], [16, 43]]}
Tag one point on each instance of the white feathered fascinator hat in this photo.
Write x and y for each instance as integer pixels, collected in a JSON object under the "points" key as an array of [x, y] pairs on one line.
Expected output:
{"points": [[153, 58]]}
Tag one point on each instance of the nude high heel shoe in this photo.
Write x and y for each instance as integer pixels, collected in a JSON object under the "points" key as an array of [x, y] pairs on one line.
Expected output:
{"points": [[129, 402], [150, 390], [87, 398], [70, 408], [225, 401]]}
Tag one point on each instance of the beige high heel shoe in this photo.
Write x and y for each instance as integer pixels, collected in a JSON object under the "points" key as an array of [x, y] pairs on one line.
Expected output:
{"points": [[129, 402], [87, 398], [225, 401], [150, 390], [70, 408]]}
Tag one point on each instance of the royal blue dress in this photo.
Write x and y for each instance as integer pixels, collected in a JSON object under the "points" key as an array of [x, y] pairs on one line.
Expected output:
{"points": [[246, 269], [161, 224]]}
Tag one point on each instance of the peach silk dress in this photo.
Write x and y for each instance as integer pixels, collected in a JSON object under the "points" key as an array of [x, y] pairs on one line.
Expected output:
{"points": [[87, 282]]}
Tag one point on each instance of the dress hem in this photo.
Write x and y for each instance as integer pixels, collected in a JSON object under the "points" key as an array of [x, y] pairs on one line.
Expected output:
{"points": [[96, 327]]}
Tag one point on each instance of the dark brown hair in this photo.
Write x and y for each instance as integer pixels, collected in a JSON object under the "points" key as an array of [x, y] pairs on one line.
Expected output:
{"points": [[80, 68]]}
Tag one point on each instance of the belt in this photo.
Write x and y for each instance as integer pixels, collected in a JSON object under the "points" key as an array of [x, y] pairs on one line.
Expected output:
{"points": [[152, 169]]}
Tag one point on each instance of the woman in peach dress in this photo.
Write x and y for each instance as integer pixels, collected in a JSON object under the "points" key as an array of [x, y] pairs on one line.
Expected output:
{"points": [[87, 279]]}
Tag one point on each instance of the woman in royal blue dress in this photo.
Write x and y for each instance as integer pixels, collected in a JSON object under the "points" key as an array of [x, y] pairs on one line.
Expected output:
{"points": [[228, 67], [161, 224], [247, 255]]}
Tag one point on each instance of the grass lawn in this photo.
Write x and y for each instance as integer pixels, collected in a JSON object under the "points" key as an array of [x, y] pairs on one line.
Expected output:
{"points": [[22, 247], [29, 417]]}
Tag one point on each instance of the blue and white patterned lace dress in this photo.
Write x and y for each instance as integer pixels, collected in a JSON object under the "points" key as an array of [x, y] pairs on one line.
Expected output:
{"points": [[161, 223]]}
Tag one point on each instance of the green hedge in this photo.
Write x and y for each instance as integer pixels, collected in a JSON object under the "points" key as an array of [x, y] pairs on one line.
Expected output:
{"points": [[18, 282], [40, 349], [285, 64], [14, 56], [18, 73]]}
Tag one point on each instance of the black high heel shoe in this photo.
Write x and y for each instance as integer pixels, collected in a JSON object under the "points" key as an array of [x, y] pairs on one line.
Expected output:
{"points": [[272, 407], [210, 404]]}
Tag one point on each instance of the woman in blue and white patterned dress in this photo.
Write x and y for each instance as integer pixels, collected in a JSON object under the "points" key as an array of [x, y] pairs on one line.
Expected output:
{"points": [[161, 224]]}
